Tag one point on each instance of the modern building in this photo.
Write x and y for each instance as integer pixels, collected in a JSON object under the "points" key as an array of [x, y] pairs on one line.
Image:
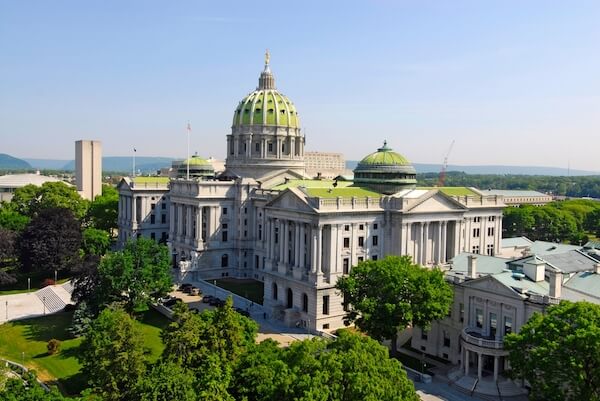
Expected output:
{"points": [[517, 198], [262, 218], [495, 296], [10, 182], [88, 168], [324, 164]]}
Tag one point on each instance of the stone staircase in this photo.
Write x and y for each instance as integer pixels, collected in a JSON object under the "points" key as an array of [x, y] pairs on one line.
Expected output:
{"points": [[50, 299], [68, 287]]}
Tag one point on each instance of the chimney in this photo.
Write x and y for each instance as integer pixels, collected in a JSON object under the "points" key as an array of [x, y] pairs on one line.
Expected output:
{"points": [[472, 266], [597, 268], [555, 284]]}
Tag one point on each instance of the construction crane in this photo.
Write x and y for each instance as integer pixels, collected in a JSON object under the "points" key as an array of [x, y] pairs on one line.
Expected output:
{"points": [[442, 178]]}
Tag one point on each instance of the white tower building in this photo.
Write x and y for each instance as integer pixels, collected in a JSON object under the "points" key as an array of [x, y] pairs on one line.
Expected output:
{"points": [[88, 168]]}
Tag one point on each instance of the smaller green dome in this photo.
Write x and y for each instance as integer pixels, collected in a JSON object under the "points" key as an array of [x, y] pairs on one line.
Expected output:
{"points": [[384, 157], [197, 161], [198, 167]]}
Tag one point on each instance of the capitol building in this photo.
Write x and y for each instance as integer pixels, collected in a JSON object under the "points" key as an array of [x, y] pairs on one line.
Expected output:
{"points": [[263, 218]]}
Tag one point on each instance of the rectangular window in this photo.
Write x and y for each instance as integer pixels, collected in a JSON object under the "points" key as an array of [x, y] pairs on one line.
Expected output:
{"points": [[224, 226], [152, 206], [346, 242], [462, 312], [163, 218], [224, 236], [276, 239], [492, 218], [475, 249], [423, 335], [476, 219], [326, 304], [224, 210], [360, 259], [476, 232], [245, 222], [374, 257], [479, 318], [164, 236], [375, 240], [260, 232], [493, 324], [152, 219], [361, 241], [490, 231], [346, 227], [163, 206], [374, 226], [490, 250], [346, 265], [257, 147], [446, 339], [361, 227], [270, 146], [507, 325], [152, 236]]}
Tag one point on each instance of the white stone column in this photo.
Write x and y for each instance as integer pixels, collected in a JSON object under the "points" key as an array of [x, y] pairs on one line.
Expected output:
{"points": [[426, 249], [332, 268], [320, 249], [281, 239], [444, 242], [189, 223], [296, 244], [417, 242], [438, 249], [134, 210], [302, 247], [179, 220], [198, 225], [172, 227], [286, 243], [479, 365], [466, 362], [271, 243], [314, 249], [495, 368]]}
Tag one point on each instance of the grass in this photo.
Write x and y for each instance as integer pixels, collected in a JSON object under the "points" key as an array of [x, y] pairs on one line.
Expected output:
{"points": [[347, 192], [24, 341], [247, 288], [151, 180], [453, 191], [311, 184]]}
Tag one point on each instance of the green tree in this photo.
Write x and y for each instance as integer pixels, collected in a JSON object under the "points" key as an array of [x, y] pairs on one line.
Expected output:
{"points": [[31, 199], [390, 294], [167, 381], [104, 210], [95, 241], [137, 275], [12, 220], [51, 241], [7, 256], [559, 353], [27, 389], [112, 355]]}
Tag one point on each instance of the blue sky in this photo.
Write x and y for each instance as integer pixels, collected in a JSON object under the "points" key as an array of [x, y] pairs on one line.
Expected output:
{"points": [[512, 82]]}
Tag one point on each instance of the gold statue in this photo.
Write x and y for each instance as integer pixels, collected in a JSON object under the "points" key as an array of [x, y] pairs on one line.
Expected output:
{"points": [[267, 57]]}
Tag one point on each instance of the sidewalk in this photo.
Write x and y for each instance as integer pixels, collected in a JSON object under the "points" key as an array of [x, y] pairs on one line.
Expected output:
{"points": [[46, 301]]}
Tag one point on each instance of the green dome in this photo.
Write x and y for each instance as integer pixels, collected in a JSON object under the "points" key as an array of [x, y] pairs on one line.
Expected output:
{"points": [[197, 161], [385, 171], [198, 166], [266, 107]]}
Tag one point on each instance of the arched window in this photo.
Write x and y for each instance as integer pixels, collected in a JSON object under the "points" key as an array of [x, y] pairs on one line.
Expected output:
{"points": [[274, 290], [304, 302], [290, 298], [225, 260]]}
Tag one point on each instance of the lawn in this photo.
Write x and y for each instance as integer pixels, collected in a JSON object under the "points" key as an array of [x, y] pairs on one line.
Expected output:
{"points": [[37, 278], [24, 341], [250, 289]]}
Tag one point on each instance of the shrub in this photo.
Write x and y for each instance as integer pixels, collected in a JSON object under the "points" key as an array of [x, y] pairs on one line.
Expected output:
{"points": [[53, 346]]}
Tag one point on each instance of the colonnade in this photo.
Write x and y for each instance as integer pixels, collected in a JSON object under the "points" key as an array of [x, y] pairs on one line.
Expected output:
{"points": [[431, 242], [294, 146], [465, 362], [291, 243]]}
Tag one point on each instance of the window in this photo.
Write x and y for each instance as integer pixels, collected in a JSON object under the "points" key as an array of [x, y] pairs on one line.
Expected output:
{"points": [[476, 219], [245, 222], [375, 240], [375, 226], [476, 232], [423, 335], [152, 219], [446, 339], [257, 147], [274, 290], [346, 227], [490, 250], [224, 210], [462, 312], [225, 260], [493, 324], [164, 236], [290, 298], [163, 206], [346, 242], [152, 236], [374, 257], [224, 236], [507, 325], [326, 304], [360, 259], [361, 227], [492, 218], [163, 218], [479, 318], [475, 249], [270, 146], [346, 265], [224, 226], [152, 206], [304, 303], [260, 232], [490, 231], [276, 235], [361, 241]]}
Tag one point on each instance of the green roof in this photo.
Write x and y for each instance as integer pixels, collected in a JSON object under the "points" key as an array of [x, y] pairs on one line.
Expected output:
{"points": [[311, 184], [384, 157], [151, 180], [266, 107], [344, 192], [454, 191], [196, 161]]}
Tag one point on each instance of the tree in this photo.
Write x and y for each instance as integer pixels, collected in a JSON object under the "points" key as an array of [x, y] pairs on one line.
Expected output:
{"points": [[390, 294], [7, 256], [104, 210], [51, 241], [95, 241], [112, 355], [559, 353], [10, 219], [31, 199], [137, 275], [27, 389], [166, 381]]}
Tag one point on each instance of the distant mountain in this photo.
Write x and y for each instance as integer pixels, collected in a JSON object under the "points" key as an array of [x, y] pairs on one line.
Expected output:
{"points": [[125, 164], [47, 164], [12, 163], [493, 169]]}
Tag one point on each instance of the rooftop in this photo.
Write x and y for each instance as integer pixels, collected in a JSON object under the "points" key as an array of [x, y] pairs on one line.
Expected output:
{"points": [[20, 180], [547, 248], [512, 193], [518, 242], [453, 191], [151, 180], [344, 192], [311, 184]]}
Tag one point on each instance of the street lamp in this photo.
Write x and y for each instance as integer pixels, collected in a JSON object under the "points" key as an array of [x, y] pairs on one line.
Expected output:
{"points": [[55, 276], [215, 284], [28, 283], [7, 311]]}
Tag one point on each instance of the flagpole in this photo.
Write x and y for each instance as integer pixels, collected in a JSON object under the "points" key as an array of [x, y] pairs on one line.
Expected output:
{"points": [[133, 171], [189, 128]]}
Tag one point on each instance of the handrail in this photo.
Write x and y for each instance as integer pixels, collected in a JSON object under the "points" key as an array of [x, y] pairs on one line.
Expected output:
{"points": [[481, 342]]}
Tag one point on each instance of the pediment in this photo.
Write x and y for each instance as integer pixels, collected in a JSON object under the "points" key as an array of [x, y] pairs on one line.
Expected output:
{"points": [[434, 203], [279, 177], [290, 200], [490, 285]]}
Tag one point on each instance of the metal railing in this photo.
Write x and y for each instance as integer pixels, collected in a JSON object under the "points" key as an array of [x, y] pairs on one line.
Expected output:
{"points": [[479, 341]]}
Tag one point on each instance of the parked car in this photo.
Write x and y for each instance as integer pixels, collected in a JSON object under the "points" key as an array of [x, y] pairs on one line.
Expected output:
{"points": [[206, 299], [194, 291], [185, 286], [172, 302]]}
